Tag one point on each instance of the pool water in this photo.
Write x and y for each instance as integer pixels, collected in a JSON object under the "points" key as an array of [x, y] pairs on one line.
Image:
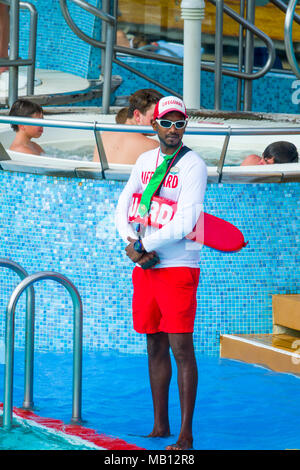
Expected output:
{"points": [[239, 406], [25, 437], [211, 155], [81, 153]]}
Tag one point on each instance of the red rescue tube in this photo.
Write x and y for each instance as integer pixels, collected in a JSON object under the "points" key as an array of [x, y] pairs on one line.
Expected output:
{"points": [[210, 230]]}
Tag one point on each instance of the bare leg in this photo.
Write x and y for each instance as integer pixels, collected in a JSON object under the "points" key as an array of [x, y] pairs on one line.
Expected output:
{"points": [[4, 33], [183, 349], [160, 372]]}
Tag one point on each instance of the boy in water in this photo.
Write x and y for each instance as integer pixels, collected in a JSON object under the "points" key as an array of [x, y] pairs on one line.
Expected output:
{"points": [[25, 133], [277, 152]]}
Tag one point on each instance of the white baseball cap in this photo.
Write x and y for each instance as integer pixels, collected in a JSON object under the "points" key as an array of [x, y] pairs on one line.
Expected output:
{"points": [[168, 104]]}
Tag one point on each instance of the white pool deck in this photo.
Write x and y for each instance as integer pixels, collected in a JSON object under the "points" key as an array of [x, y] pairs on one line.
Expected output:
{"points": [[46, 82]]}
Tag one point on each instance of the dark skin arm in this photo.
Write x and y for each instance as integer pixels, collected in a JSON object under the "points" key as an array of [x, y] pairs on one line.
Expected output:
{"points": [[140, 258]]}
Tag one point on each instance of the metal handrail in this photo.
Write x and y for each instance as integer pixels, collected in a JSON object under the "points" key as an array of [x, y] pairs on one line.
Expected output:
{"points": [[95, 125], [77, 344], [290, 10], [283, 7], [109, 43], [290, 16], [251, 27], [248, 75], [111, 48], [29, 332], [14, 62], [227, 132], [204, 66], [90, 9], [288, 39], [146, 77]]}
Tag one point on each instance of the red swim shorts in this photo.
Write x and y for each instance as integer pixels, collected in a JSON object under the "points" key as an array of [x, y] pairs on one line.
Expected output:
{"points": [[164, 299]]}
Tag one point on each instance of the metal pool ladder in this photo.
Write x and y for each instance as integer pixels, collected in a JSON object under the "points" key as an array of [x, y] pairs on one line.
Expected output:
{"points": [[29, 331], [27, 282]]}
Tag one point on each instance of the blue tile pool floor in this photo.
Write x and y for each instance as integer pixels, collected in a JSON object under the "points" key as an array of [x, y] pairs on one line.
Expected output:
{"points": [[239, 406]]}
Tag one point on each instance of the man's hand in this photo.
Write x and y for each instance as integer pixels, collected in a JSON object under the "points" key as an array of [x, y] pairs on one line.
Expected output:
{"points": [[148, 260], [141, 258], [130, 251]]}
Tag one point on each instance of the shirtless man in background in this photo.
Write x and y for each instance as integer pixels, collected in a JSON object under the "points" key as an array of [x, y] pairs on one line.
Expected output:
{"points": [[125, 147]]}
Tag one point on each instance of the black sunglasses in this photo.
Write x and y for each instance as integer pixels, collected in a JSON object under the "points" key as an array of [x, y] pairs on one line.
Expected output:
{"points": [[168, 124]]}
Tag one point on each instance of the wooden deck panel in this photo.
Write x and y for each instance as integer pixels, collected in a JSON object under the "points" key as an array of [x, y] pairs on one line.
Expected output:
{"points": [[263, 350], [167, 15], [286, 310]]}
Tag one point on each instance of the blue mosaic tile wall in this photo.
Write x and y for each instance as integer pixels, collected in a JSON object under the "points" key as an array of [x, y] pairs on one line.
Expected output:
{"points": [[273, 93], [58, 48], [67, 225]]}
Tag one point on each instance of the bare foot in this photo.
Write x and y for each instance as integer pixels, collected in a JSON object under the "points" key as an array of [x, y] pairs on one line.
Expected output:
{"points": [[159, 432], [182, 444]]}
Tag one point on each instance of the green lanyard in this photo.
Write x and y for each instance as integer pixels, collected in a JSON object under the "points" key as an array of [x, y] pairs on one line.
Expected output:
{"points": [[155, 182]]}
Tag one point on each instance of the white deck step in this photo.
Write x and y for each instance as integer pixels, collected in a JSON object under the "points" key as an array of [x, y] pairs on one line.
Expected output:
{"points": [[279, 352]]}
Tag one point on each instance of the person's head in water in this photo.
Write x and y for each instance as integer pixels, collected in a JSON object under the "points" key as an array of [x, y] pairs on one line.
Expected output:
{"points": [[122, 116], [141, 106], [280, 152], [26, 108]]}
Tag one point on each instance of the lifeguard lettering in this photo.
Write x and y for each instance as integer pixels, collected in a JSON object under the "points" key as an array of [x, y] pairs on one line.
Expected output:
{"points": [[146, 176], [170, 182], [168, 102]]}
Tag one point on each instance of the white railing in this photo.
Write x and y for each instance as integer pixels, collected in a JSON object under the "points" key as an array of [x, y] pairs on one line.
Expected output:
{"points": [[96, 127]]}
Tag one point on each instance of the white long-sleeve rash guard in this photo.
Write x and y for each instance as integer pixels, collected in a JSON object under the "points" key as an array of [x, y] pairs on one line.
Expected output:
{"points": [[185, 184]]}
